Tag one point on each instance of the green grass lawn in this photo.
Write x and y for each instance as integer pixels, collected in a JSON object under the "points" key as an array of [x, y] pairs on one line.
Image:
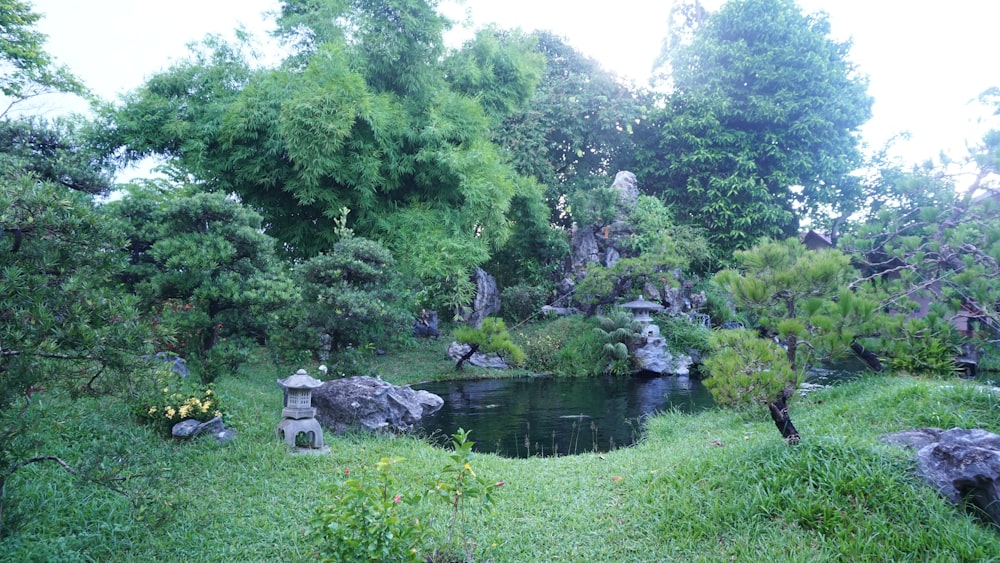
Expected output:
{"points": [[717, 486]]}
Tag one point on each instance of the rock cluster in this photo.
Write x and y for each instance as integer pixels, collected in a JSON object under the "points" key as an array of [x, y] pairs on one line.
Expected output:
{"points": [[190, 428]]}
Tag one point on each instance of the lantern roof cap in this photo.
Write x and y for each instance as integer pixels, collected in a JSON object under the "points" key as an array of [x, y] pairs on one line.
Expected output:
{"points": [[641, 303], [300, 380]]}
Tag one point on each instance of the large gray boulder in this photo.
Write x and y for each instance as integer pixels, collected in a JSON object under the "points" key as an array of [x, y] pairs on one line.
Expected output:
{"points": [[371, 404], [961, 464], [487, 300], [607, 241]]}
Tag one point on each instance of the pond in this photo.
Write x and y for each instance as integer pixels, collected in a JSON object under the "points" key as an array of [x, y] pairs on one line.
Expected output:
{"points": [[553, 416], [548, 416]]}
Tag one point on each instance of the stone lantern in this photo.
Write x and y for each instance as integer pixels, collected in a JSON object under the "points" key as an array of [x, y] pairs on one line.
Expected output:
{"points": [[641, 309], [298, 416]]}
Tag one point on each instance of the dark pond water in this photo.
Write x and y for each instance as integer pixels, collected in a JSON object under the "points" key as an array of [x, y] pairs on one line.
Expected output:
{"points": [[547, 416]]}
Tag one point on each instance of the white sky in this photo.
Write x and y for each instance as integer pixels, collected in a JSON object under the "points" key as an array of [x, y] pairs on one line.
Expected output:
{"points": [[926, 61]]}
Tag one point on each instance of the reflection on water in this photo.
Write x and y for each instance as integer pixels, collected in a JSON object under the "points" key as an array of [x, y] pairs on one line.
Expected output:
{"points": [[545, 416]]}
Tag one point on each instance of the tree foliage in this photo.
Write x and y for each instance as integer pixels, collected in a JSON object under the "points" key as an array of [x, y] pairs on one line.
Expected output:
{"points": [[64, 324], [930, 254], [490, 338], [359, 116], [26, 70], [746, 369], [799, 297], [54, 151], [204, 269], [761, 127], [576, 131], [350, 297]]}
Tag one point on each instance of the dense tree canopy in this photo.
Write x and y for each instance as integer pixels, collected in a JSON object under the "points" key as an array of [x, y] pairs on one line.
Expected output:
{"points": [[201, 265], [576, 132], [798, 296], [360, 116], [761, 127]]}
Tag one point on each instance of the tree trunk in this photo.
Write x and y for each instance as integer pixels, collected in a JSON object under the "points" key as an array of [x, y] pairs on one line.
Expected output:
{"points": [[867, 356], [779, 413], [473, 348]]}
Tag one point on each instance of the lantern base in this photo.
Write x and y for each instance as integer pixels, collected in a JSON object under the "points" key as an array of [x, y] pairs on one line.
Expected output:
{"points": [[290, 428]]}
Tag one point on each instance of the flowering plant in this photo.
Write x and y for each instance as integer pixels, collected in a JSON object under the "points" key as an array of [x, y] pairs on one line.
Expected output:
{"points": [[369, 520], [170, 398]]}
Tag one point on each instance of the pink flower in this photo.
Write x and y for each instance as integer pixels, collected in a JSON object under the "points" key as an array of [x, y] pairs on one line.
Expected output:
{"points": [[500, 483], [347, 471], [397, 498]]}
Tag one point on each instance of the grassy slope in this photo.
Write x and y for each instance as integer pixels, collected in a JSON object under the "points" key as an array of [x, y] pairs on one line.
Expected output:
{"points": [[717, 486]]}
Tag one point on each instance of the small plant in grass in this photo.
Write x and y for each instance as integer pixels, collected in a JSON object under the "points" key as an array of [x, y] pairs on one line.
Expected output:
{"points": [[458, 485], [370, 520], [169, 398]]}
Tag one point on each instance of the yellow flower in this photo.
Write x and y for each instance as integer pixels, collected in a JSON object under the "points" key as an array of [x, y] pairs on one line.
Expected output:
{"points": [[469, 469], [208, 392], [205, 406], [152, 410], [170, 412], [217, 413], [166, 389], [185, 410]]}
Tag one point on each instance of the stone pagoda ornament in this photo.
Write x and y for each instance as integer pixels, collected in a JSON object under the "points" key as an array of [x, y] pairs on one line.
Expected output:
{"points": [[299, 416], [641, 310]]}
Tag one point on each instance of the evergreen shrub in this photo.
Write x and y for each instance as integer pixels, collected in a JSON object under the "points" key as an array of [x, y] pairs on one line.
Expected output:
{"points": [[522, 301]]}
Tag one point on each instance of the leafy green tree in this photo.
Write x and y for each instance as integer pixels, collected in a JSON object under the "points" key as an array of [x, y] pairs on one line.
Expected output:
{"points": [[746, 369], [202, 265], [359, 115], [576, 131], [351, 297], [26, 70], [491, 338], [799, 297], [64, 325], [535, 252], [929, 253], [55, 151], [761, 126], [500, 68]]}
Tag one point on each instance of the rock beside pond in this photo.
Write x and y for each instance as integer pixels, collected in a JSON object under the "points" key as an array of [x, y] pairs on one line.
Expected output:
{"points": [[371, 404], [653, 356], [457, 351], [962, 464]]}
